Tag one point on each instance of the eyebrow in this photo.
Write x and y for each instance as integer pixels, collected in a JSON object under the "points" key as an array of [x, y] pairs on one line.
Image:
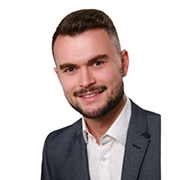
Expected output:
{"points": [[96, 58], [66, 65], [91, 61]]}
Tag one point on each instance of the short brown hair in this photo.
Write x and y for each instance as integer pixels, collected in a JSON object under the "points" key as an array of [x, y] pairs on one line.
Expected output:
{"points": [[79, 21]]}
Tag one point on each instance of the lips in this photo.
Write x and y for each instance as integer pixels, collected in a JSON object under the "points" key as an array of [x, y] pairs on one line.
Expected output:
{"points": [[90, 92], [89, 95]]}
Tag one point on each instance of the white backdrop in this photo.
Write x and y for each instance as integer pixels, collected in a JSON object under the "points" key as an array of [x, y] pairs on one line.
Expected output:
{"points": [[32, 103]]}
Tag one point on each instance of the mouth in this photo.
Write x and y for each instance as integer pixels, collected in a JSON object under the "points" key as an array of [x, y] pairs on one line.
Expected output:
{"points": [[91, 94], [90, 97]]}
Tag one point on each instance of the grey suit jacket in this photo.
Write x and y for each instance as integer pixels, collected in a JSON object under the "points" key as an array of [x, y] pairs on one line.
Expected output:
{"points": [[65, 154]]}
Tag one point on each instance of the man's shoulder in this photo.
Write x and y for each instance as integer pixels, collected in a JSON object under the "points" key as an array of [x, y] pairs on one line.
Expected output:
{"points": [[152, 118], [137, 108], [65, 134]]}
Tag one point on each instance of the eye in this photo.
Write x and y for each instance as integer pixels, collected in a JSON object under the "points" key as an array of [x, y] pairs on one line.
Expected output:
{"points": [[69, 69], [98, 63]]}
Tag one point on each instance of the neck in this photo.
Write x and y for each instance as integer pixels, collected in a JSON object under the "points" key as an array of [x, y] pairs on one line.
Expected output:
{"points": [[98, 127]]}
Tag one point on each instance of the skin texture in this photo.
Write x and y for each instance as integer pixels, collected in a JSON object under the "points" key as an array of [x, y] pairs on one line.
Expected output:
{"points": [[91, 74]]}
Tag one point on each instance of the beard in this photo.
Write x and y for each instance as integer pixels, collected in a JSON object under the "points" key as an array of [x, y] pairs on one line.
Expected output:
{"points": [[113, 100]]}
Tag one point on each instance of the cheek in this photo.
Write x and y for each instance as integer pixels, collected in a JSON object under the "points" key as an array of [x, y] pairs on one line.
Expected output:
{"points": [[68, 86], [112, 75]]}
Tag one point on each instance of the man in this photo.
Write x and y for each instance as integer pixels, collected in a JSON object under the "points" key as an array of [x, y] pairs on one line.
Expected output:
{"points": [[115, 139]]}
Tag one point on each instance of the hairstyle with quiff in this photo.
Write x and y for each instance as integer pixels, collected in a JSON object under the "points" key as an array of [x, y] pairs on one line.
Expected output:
{"points": [[80, 21]]}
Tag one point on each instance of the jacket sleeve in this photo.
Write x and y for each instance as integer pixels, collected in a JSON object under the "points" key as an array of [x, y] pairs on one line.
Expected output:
{"points": [[45, 173]]}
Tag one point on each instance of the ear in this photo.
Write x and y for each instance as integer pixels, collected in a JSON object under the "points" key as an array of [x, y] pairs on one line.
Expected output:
{"points": [[124, 62], [56, 71]]}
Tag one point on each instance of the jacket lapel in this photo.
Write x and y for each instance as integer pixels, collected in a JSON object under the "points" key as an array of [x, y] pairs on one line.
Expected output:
{"points": [[136, 145], [80, 162]]}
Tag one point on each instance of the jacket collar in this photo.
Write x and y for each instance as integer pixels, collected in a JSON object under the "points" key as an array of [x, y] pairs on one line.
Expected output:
{"points": [[79, 152], [137, 142]]}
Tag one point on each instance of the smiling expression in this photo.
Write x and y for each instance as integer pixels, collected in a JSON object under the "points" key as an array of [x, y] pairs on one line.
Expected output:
{"points": [[90, 72]]}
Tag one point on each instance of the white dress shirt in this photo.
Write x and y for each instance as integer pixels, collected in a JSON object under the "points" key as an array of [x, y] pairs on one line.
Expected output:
{"points": [[106, 159]]}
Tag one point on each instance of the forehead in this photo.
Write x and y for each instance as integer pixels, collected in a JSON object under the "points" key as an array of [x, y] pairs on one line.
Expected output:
{"points": [[82, 46]]}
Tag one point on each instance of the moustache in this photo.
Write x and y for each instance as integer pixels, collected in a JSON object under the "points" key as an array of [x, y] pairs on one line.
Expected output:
{"points": [[96, 89]]}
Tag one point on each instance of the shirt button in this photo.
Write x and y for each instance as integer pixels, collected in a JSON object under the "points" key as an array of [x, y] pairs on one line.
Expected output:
{"points": [[103, 159]]}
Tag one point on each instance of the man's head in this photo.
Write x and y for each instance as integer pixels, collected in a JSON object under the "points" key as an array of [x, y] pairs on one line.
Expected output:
{"points": [[80, 21], [89, 62]]}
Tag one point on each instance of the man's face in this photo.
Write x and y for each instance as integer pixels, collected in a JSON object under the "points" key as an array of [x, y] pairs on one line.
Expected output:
{"points": [[90, 72]]}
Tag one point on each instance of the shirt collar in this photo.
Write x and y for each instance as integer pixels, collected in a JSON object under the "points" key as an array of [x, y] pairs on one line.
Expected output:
{"points": [[85, 130], [118, 129]]}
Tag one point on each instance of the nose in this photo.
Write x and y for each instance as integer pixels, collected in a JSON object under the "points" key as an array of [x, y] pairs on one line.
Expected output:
{"points": [[86, 78]]}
